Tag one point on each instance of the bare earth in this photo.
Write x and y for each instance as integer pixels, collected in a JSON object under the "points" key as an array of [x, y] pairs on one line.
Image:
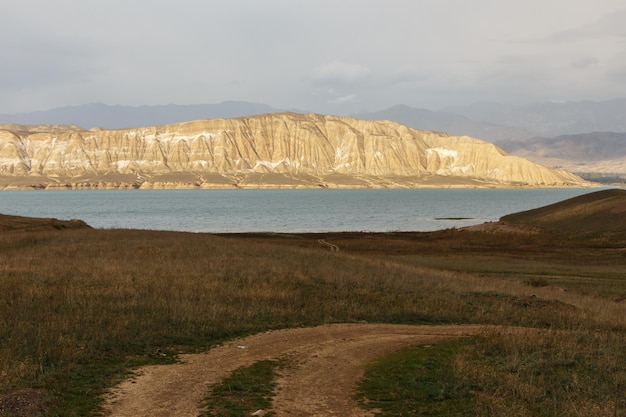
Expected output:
{"points": [[325, 364]]}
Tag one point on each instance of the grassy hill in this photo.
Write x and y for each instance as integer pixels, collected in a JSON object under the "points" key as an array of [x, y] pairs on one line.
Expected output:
{"points": [[15, 223], [595, 213]]}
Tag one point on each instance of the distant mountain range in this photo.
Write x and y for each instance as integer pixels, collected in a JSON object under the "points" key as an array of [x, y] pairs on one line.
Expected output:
{"points": [[595, 146], [552, 118], [598, 156], [494, 122], [122, 117], [442, 121]]}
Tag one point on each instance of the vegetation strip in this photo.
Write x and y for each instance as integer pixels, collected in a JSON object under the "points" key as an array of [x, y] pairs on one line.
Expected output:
{"points": [[545, 373], [246, 391], [417, 381]]}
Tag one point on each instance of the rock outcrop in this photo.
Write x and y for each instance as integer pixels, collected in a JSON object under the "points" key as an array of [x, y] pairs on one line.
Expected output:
{"points": [[273, 150]]}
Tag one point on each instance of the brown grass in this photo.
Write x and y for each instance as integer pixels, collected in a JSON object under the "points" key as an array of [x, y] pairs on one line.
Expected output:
{"points": [[598, 212], [78, 307], [14, 223]]}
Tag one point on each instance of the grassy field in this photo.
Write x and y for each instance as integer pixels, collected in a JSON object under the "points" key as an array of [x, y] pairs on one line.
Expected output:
{"points": [[80, 307]]}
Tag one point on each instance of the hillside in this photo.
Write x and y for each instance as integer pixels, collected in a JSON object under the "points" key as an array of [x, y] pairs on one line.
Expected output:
{"points": [[551, 118], [272, 150], [18, 223], [452, 123], [600, 153], [597, 212], [122, 117], [574, 136]]}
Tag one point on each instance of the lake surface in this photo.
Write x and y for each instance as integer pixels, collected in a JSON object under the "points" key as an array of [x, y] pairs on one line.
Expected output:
{"points": [[219, 211]]}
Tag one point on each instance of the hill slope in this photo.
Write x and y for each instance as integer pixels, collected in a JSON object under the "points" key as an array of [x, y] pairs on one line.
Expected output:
{"points": [[18, 223], [597, 212], [271, 150], [551, 118], [596, 152], [118, 117], [448, 122]]}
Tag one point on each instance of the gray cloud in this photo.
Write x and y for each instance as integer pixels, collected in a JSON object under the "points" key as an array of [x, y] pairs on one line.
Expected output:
{"points": [[618, 75], [350, 98], [612, 24], [338, 72], [585, 63], [41, 64], [319, 55]]}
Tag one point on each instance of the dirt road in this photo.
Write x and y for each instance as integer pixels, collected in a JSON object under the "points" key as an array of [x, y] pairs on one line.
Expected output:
{"points": [[327, 362]]}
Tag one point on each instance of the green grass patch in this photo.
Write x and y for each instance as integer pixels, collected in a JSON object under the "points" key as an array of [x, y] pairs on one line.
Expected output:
{"points": [[82, 385], [527, 374], [246, 390], [419, 381]]}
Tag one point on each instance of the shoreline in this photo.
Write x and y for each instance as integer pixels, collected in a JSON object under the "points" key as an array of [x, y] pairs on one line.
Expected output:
{"points": [[66, 186]]}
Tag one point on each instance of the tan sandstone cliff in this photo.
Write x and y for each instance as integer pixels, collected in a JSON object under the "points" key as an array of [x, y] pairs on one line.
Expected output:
{"points": [[273, 150]]}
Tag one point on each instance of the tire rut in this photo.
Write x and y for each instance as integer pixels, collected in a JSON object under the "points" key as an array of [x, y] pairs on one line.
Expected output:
{"points": [[327, 361]]}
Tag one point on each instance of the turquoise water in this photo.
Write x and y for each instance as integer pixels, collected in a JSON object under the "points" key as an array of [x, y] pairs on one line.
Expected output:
{"points": [[281, 210]]}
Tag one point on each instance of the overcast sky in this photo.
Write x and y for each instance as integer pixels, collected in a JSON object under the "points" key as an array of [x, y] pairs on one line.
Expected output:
{"points": [[328, 56]]}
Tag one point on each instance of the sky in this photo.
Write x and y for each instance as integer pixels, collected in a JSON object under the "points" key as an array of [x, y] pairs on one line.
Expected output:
{"points": [[327, 56]]}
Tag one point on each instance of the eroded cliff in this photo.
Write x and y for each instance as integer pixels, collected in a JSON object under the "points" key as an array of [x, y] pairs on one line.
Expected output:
{"points": [[273, 150]]}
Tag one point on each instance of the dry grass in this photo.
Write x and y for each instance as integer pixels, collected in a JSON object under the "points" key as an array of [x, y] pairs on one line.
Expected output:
{"points": [[13, 223], [548, 373], [600, 211], [80, 307]]}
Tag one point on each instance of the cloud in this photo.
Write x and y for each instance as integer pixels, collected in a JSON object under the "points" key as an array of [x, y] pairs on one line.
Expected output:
{"points": [[350, 98], [318, 54], [613, 24], [401, 77], [618, 76], [610, 25], [585, 63], [518, 75], [32, 65], [340, 73], [338, 82]]}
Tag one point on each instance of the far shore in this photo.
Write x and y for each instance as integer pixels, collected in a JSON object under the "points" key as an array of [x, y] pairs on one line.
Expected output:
{"points": [[158, 185]]}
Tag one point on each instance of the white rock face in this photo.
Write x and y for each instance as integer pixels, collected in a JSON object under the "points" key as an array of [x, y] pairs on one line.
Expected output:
{"points": [[274, 150]]}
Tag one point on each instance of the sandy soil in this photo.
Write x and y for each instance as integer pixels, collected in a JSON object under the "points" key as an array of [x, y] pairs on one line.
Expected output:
{"points": [[325, 364]]}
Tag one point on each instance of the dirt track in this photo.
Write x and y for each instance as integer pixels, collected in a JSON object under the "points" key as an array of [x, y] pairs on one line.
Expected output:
{"points": [[328, 360]]}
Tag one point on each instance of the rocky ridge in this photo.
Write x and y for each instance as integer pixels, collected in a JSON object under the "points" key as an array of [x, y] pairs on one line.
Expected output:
{"points": [[273, 150]]}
